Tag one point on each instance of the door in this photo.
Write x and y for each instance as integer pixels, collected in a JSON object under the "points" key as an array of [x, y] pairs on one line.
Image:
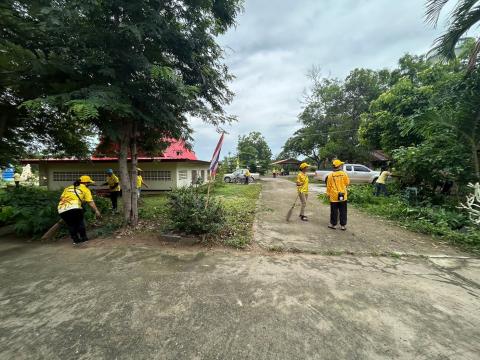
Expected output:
{"points": [[194, 176], [361, 174], [349, 171]]}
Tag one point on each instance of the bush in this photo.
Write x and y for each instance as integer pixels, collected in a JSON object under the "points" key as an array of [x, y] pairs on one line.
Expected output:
{"points": [[441, 220], [187, 212], [33, 210]]}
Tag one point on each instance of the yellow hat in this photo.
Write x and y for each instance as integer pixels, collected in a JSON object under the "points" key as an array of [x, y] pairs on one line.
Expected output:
{"points": [[86, 179], [337, 163], [303, 165]]}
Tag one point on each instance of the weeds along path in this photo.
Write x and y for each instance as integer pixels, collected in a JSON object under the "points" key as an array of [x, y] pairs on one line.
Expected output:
{"points": [[365, 234]]}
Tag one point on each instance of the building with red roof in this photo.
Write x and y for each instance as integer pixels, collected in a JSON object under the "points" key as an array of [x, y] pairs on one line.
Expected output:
{"points": [[176, 166]]}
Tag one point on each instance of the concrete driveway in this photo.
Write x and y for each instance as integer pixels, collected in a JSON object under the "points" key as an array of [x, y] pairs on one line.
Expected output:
{"points": [[118, 300], [366, 235], [138, 298]]}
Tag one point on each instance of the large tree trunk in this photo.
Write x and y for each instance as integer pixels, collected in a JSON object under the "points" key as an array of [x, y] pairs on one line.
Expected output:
{"points": [[125, 180]]}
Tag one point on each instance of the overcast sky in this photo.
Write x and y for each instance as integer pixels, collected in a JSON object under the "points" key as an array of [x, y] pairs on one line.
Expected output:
{"points": [[276, 42]]}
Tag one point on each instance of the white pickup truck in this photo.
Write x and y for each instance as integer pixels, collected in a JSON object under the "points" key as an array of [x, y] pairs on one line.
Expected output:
{"points": [[239, 175], [358, 174]]}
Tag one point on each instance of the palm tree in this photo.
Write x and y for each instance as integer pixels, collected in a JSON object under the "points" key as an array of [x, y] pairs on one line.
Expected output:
{"points": [[463, 17]]}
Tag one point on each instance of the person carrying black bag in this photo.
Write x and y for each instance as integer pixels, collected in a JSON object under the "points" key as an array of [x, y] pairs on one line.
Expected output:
{"points": [[337, 182], [70, 208]]}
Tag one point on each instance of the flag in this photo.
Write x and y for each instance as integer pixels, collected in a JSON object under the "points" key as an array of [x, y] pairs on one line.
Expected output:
{"points": [[216, 157]]}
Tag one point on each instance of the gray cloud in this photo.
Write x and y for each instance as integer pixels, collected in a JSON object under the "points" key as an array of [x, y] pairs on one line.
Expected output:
{"points": [[277, 42]]}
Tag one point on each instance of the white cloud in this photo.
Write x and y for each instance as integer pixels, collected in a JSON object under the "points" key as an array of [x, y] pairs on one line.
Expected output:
{"points": [[277, 42]]}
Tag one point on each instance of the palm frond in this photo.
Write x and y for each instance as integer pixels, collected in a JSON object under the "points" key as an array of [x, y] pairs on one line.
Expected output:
{"points": [[445, 44], [463, 7], [472, 62], [434, 8]]}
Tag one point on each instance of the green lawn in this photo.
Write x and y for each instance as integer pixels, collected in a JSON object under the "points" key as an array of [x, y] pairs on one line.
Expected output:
{"points": [[240, 203]]}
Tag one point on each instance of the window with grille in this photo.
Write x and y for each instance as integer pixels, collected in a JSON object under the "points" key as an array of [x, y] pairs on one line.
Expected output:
{"points": [[183, 175], [202, 174], [160, 175], [71, 176]]}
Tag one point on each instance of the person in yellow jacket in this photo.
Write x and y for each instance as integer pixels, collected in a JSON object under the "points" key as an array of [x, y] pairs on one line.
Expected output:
{"points": [[302, 188], [114, 186], [140, 182], [70, 207], [337, 183], [17, 178], [247, 176], [380, 184]]}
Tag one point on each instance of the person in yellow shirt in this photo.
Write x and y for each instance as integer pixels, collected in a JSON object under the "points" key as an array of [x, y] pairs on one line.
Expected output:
{"points": [[140, 182], [247, 176], [337, 183], [16, 178], [380, 184], [114, 186], [302, 188], [70, 207]]}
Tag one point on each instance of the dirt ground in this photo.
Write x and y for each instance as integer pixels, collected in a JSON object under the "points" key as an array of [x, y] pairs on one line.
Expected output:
{"points": [[365, 234], [140, 298], [152, 302]]}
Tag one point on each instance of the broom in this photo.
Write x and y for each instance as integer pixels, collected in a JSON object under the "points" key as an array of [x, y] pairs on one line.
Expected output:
{"points": [[289, 214], [52, 231]]}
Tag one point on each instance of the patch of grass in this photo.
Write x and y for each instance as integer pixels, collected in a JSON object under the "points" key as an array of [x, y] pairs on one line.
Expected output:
{"points": [[276, 248], [443, 221], [153, 208], [239, 202]]}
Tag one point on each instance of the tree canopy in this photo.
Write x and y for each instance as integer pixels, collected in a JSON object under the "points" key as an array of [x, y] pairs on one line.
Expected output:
{"points": [[254, 152], [332, 113], [129, 70]]}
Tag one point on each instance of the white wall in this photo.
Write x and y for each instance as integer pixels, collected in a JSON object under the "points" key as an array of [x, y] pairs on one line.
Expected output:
{"points": [[98, 169], [188, 167]]}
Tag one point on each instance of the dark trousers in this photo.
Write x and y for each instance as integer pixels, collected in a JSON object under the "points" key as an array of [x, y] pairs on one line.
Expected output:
{"points": [[76, 225], [17, 184], [337, 208], [114, 198], [381, 189], [246, 180]]}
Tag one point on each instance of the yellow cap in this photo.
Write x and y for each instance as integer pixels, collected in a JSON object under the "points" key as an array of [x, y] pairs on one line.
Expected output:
{"points": [[86, 179], [303, 165], [138, 169], [337, 163]]}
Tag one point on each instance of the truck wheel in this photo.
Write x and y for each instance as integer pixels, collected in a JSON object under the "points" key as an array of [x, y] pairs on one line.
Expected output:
{"points": [[227, 179]]}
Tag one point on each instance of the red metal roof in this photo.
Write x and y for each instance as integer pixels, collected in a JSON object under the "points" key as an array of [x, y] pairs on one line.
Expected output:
{"points": [[176, 151]]}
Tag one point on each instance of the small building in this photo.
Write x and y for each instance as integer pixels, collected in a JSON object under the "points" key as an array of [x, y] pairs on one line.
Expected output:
{"points": [[287, 165], [176, 167], [378, 159]]}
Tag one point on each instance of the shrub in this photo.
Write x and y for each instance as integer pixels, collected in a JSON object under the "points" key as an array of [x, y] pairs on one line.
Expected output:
{"points": [[188, 213], [441, 220], [33, 210]]}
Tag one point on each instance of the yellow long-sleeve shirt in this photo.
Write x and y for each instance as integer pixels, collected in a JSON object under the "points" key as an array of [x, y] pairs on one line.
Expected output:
{"points": [[337, 182]]}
